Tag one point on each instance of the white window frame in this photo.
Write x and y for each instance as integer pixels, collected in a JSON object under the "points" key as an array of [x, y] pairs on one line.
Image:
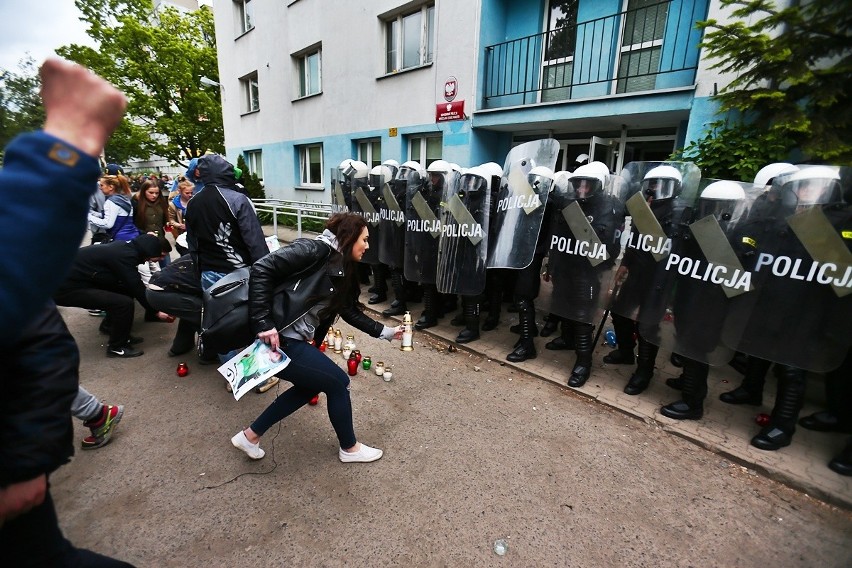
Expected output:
{"points": [[304, 166], [254, 161], [395, 44], [251, 93], [304, 72], [423, 139], [245, 15], [635, 47], [367, 156]]}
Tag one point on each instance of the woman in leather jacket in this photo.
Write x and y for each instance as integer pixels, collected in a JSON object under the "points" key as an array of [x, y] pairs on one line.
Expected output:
{"points": [[294, 295]]}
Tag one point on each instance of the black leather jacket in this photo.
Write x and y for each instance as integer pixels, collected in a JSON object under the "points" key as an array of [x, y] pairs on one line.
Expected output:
{"points": [[286, 284]]}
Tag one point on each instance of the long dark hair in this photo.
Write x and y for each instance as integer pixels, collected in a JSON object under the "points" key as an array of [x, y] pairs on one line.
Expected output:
{"points": [[347, 227], [142, 204]]}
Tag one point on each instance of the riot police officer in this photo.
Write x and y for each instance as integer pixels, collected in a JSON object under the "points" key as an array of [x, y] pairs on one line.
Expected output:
{"points": [[635, 278], [700, 306], [584, 243]]}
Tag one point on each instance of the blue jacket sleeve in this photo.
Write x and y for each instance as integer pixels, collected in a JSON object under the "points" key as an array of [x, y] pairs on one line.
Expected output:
{"points": [[46, 186]]}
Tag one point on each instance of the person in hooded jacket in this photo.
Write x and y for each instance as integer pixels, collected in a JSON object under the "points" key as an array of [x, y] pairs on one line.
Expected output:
{"points": [[105, 277], [223, 231]]}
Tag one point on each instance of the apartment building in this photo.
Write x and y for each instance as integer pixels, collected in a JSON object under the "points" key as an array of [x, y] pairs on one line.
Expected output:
{"points": [[306, 84]]}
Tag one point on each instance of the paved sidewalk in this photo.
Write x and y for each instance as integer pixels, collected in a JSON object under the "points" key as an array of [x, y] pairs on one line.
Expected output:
{"points": [[725, 429]]}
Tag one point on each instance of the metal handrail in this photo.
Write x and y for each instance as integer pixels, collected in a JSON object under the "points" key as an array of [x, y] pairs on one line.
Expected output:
{"points": [[298, 209]]}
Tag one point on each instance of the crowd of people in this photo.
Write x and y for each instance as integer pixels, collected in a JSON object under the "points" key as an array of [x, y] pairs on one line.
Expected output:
{"points": [[478, 238]]}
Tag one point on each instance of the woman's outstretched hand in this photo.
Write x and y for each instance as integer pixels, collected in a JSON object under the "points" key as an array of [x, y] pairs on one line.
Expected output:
{"points": [[389, 333], [270, 337]]}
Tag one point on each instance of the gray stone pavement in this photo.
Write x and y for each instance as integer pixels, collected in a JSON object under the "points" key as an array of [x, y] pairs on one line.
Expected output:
{"points": [[725, 429]]}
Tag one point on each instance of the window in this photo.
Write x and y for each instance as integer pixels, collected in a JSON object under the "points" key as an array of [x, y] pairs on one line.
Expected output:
{"points": [[559, 50], [254, 161], [251, 93], [425, 149], [370, 152], [310, 73], [641, 45], [410, 39], [245, 21], [310, 164]]}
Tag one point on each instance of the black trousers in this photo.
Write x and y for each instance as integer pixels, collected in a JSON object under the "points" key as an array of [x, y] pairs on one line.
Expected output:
{"points": [[119, 309], [34, 539]]}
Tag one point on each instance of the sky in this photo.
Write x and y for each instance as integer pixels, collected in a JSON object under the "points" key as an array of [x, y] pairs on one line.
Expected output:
{"points": [[39, 27]]}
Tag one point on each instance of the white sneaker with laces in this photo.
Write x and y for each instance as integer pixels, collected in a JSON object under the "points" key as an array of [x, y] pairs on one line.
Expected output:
{"points": [[365, 454], [242, 443]]}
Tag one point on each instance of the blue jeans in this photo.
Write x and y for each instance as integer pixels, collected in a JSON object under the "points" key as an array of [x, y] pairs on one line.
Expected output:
{"points": [[311, 373]]}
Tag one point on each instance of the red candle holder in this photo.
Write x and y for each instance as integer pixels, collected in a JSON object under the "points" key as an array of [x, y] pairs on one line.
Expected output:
{"points": [[352, 365]]}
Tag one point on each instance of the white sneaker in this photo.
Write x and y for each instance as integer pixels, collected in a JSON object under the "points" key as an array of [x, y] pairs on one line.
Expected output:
{"points": [[365, 454], [242, 443]]}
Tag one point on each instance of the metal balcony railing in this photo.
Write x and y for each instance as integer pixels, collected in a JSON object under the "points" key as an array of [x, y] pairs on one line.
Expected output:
{"points": [[648, 48]]}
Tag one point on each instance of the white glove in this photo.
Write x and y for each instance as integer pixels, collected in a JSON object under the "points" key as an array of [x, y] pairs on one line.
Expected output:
{"points": [[389, 333]]}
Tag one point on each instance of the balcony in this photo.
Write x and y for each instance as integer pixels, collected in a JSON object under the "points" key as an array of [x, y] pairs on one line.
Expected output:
{"points": [[650, 48]]}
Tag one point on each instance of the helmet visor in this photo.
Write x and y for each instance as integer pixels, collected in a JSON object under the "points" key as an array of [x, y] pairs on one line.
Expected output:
{"points": [[814, 191], [660, 188], [583, 188]]}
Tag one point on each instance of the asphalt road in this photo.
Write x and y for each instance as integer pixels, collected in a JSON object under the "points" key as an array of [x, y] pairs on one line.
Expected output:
{"points": [[474, 452]]}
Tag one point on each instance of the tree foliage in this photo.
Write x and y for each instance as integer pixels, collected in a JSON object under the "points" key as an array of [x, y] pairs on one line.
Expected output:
{"points": [[250, 180], [21, 109], [793, 69], [157, 60]]}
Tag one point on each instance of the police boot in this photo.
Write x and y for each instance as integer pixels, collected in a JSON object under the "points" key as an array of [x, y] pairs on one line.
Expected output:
{"points": [[517, 327], [782, 423], [184, 340], [525, 347], [583, 347], [470, 309], [623, 328], [750, 390], [380, 285], [842, 463], [641, 378], [691, 406], [495, 299], [551, 324], [458, 319], [429, 318], [398, 306], [676, 383], [564, 341]]}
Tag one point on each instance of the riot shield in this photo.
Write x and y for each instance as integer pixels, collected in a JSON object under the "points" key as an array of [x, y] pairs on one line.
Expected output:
{"points": [[520, 204], [341, 192], [659, 199], [709, 265], [367, 202], [463, 245], [587, 218], [392, 215], [800, 310], [423, 229]]}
